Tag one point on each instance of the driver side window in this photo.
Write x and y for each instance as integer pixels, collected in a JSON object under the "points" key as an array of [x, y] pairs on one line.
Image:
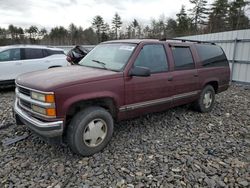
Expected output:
{"points": [[153, 57]]}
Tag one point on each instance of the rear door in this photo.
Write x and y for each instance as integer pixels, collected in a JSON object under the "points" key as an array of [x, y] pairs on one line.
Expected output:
{"points": [[34, 60], [147, 94], [185, 76], [10, 63]]}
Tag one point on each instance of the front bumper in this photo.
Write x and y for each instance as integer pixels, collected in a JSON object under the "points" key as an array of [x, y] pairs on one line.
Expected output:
{"points": [[46, 129]]}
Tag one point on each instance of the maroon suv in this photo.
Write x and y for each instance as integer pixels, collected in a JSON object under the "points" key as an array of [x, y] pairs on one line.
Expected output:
{"points": [[119, 80]]}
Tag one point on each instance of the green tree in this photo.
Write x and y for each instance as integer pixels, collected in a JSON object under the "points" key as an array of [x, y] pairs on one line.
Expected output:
{"points": [[98, 24], [43, 32], [171, 28], [129, 32], [147, 31], [90, 36], [182, 22], [116, 24], [33, 31], [105, 30], [3, 33], [198, 13], [237, 18], [218, 16], [134, 26], [58, 35]]}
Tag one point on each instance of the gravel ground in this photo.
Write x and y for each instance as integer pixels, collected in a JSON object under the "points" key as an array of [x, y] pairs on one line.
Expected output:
{"points": [[175, 148]]}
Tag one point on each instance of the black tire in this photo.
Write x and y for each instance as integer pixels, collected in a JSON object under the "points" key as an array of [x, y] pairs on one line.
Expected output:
{"points": [[80, 123], [199, 104]]}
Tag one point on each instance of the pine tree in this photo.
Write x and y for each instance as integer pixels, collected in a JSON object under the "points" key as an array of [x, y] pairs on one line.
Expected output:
{"points": [[182, 22], [98, 24], [135, 26], [236, 16], [117, 23], [198, 13], [218, 17]]}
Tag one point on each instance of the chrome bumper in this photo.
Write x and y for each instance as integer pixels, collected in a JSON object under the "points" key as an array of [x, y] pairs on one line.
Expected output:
{"points": [[47, 129]]}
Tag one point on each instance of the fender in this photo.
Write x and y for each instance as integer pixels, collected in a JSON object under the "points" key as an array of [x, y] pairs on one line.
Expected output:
{"points": [[90, 96]]}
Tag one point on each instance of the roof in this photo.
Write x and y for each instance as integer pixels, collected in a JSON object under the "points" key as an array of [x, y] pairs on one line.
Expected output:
{"points": [[28, 46], [135, 41]]}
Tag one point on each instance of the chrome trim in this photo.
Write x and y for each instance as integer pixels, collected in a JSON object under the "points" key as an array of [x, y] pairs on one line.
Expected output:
{"points": [[184, 95], [43, 92], [157, 101], [34, 112], [32, 101], [34, 121]]}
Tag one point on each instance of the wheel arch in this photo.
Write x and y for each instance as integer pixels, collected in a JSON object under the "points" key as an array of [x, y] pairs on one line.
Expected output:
{"points": [[107, 103], [213, 83]]}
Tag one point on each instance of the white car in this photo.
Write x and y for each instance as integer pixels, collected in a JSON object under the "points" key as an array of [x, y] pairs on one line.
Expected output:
{"points": [[18, 59]]}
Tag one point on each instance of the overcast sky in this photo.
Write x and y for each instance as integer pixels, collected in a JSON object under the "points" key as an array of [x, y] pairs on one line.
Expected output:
{"points": [[51, 13]]}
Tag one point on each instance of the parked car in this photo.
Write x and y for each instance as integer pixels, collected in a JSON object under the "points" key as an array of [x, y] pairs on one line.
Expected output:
{"points": [[18, 59], [75, 55], [118, 80]]}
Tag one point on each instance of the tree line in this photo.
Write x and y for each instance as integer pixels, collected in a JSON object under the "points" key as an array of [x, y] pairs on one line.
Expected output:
{"points": [[202, 18]]}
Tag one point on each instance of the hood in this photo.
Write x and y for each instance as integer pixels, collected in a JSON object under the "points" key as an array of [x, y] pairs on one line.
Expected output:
{"points": [[54, 78]]}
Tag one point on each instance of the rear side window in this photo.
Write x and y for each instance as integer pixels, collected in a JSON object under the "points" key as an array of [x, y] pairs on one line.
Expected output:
{"points": [[10, 55], [33, 53], [211, 56], [183, 58], [154, 57], [47, 52]]}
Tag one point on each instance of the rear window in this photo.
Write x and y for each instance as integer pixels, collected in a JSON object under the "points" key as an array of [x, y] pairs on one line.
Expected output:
{"points": [[33, 53], [211, 55], [183, 58]]}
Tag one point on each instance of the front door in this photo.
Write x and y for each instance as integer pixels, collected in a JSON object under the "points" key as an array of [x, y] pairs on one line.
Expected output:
{"points": [[147, 94], [10, 63]]}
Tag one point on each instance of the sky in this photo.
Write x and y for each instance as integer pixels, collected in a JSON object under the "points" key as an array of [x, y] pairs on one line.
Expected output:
{"points": [[51, 13]]}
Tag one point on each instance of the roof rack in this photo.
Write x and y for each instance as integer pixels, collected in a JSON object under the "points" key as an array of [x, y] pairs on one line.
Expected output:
{"points": [[187, 40]]}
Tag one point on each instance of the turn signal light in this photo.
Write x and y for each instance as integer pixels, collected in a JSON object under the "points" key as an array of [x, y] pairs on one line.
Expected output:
{"points": [[50, 98], [51, 112]]}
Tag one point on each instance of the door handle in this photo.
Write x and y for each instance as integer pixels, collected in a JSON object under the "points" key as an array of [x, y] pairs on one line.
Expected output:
{"points": [[170, 78]]}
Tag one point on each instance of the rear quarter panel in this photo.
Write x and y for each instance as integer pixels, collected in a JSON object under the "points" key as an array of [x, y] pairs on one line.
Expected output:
{"points": [[208, 74]]}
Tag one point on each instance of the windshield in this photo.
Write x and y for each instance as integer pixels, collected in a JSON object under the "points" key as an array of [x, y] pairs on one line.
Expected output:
{"points": [[109, 56]]}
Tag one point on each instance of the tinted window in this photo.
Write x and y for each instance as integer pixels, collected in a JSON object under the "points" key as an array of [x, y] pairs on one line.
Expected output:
{"points": [[211, 55], [183, 58], [32, 53], [153, 57], [10, 55], [51, 52]]}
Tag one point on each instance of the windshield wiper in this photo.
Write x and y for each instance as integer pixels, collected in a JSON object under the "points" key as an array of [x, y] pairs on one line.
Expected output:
{"points": [[101, 63]]}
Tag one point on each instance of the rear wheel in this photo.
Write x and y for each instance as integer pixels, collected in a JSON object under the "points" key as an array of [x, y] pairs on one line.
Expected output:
{"points": [[90, 131], [206, 100]]}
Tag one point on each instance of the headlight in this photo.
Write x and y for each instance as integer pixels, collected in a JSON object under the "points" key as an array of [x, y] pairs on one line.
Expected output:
{"points": [[39, 109], [49, 98], [45, 111]]}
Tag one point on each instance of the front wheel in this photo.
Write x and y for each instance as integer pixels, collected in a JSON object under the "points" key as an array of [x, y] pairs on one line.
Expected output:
{"points": [[206, 100], [90, 131]]}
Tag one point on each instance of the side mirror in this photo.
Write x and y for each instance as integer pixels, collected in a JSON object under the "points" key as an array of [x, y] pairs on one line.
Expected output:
{"points": [[139, 71]]}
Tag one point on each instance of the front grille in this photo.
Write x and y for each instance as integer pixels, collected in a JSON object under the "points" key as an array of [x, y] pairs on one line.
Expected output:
{"points": [[24, 91], [25, 104]]}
